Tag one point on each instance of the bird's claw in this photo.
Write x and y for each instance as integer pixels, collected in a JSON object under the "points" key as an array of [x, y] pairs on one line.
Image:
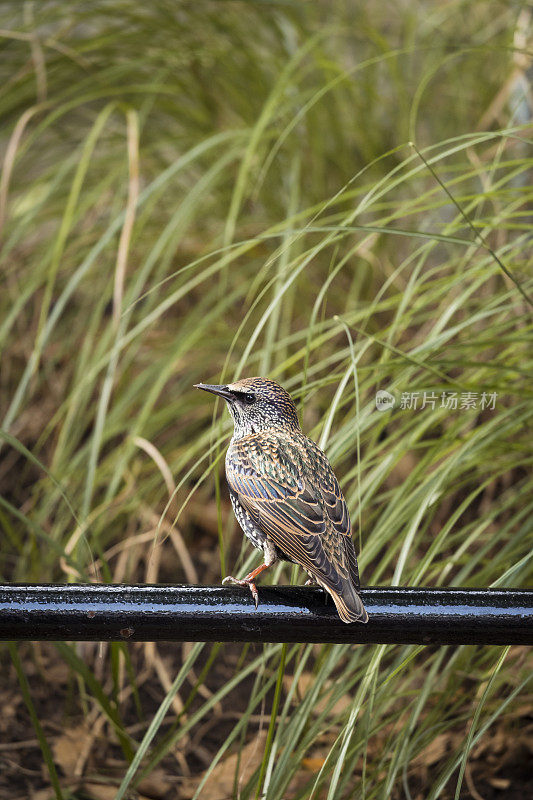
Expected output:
{"points": [[243, 582]]}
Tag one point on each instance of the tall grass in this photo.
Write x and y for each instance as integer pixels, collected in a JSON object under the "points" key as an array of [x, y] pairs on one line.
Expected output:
{"points": [[338, 196]]}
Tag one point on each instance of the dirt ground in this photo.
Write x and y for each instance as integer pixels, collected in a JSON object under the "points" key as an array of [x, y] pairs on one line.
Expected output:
{"points": [[91, 764]]}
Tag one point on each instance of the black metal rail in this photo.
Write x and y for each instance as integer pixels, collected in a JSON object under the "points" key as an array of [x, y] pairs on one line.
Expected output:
{"points": [[94, 612]]}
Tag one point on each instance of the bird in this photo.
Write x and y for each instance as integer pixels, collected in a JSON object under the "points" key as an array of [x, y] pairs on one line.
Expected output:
{"points": [[285, 495]]}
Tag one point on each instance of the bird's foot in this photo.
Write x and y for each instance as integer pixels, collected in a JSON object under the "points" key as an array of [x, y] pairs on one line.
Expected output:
{"points": [[311, 582], [249, 580], [244, 582]]}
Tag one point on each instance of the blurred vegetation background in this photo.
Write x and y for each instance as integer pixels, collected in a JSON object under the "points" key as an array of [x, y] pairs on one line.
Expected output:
{"points": [[337, 195]]}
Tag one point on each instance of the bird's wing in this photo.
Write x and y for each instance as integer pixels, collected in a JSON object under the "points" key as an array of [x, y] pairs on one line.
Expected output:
{"points": [[305, 516]]}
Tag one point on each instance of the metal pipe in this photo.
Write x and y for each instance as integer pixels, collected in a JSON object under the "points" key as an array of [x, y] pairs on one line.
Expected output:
{"points": [[94, 612]]}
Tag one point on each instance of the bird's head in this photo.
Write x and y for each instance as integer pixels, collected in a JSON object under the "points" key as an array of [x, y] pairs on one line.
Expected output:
{"points": [[256, 404]]}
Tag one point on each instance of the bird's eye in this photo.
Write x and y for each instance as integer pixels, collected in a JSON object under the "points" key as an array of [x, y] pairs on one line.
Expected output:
{"points": [[248, 398]]}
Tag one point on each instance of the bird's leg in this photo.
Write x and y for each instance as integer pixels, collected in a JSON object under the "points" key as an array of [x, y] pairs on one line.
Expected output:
{"points": [[249, 580], [311, 581]]}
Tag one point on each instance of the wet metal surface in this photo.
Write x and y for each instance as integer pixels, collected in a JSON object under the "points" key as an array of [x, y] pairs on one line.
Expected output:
{"points": [[93, 612]]}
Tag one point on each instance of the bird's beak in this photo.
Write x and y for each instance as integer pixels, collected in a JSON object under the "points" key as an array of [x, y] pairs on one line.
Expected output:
{"points": [[222, 391]]}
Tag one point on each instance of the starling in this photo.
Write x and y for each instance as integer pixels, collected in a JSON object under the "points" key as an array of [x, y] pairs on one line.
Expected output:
{"points": [[285, 495]]}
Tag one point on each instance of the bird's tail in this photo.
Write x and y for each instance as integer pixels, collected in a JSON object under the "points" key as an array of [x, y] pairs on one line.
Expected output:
{"points": [[349, 603]]}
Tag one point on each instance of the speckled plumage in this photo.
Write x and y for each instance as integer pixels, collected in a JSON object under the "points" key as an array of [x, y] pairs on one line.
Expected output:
{"points": [[285, 495]]}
